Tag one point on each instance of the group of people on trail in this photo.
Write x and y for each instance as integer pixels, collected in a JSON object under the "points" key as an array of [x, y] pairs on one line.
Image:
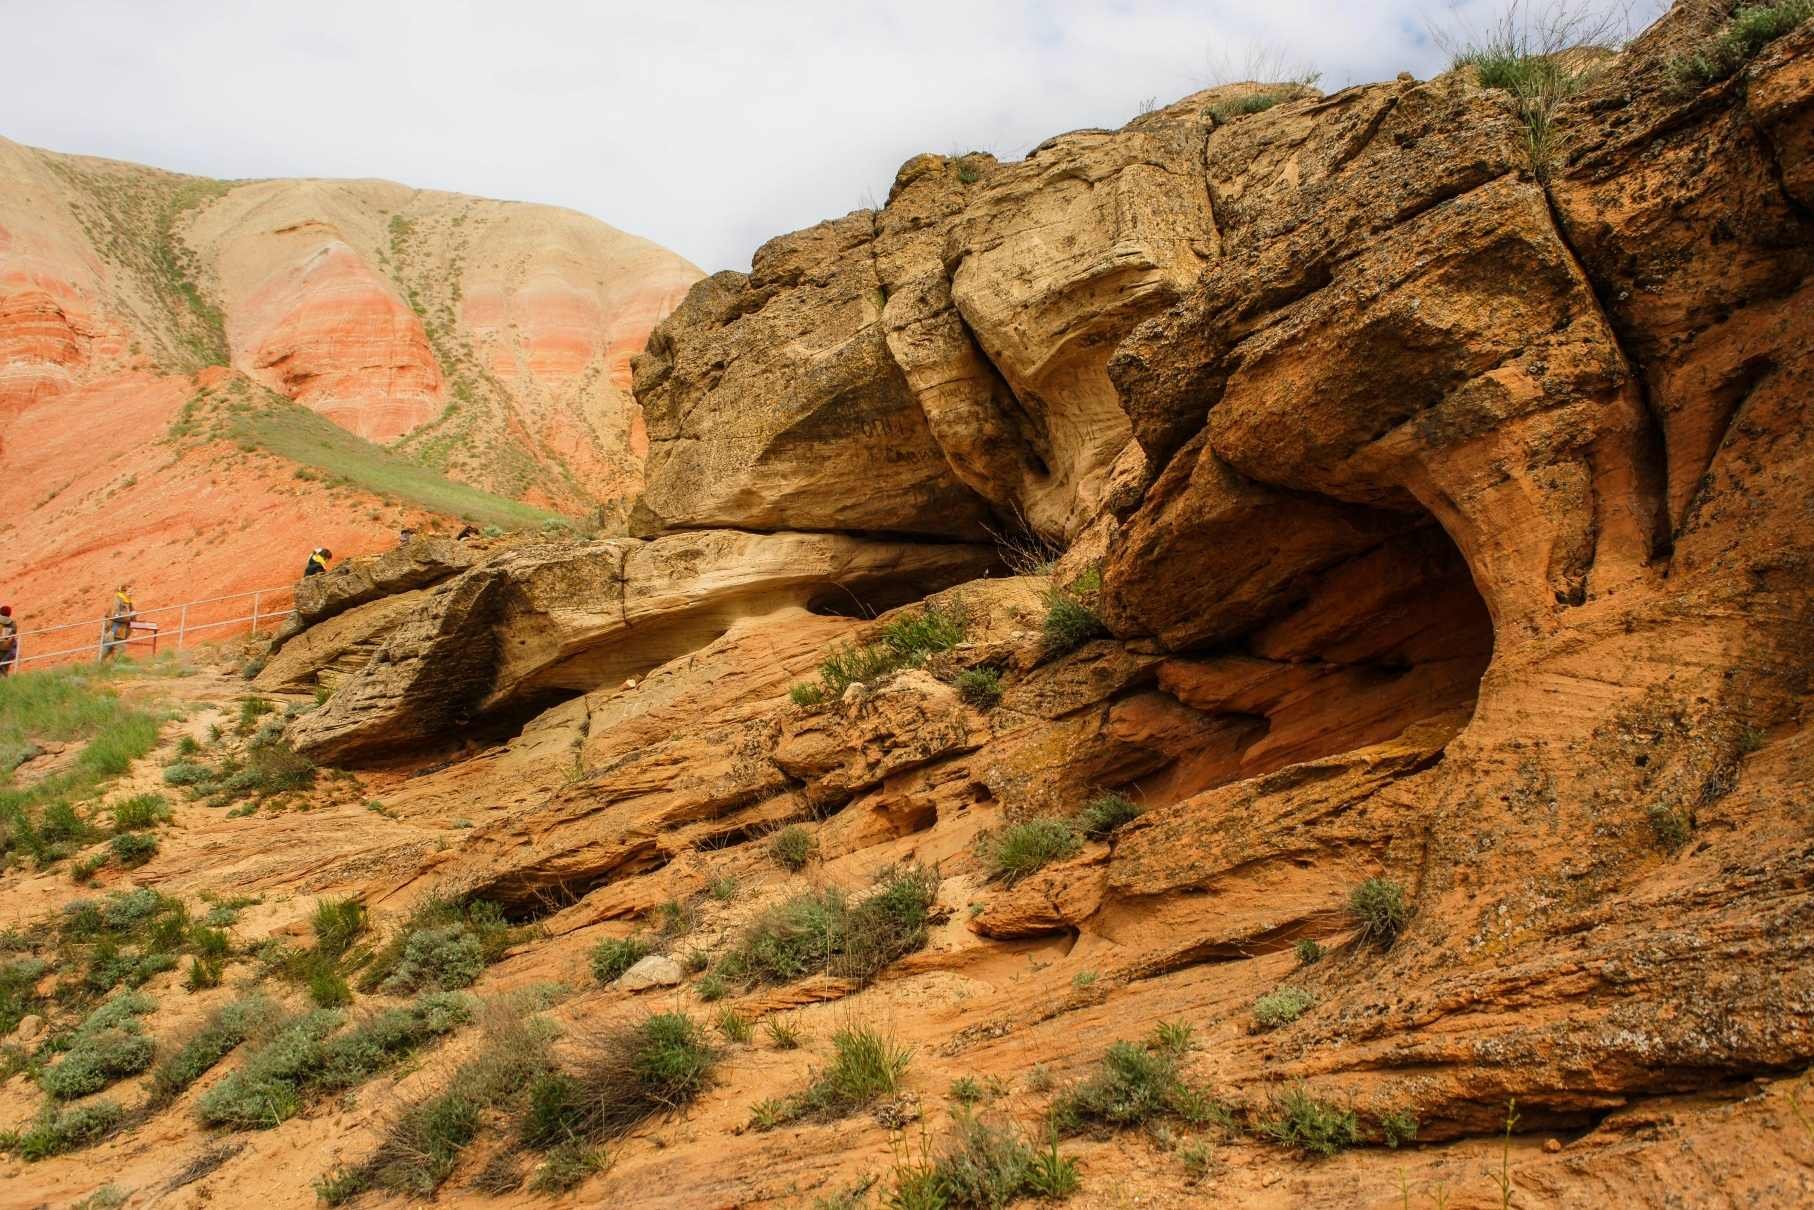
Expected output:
{"points": [[116, 630]]}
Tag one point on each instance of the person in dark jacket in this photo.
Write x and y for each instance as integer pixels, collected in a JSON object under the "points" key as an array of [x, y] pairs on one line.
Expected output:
{"points": [[318, 562], [9, 641]]}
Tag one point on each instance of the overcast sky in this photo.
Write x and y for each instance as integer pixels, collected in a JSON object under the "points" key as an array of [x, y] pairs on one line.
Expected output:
{"points": [[706, 125]]}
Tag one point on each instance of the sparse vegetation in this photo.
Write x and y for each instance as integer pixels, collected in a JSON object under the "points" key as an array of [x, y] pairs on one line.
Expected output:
{"points": [[108, 1045], [1752, 27], [1308, 1124], [736, 1027], [902, 643], [782, 1033], [1252, 102], [1281, 1007], [630, 1073], [1020, 850], [824, 930], [1398, 1127], [980, 687], [1309, 951], [445, 943], [132, 849], [615, 955], [140, 811], [224, 1029], [1379, 909], [805, 693], [792, 847], [983, 1165], [1670, 827], [306, 1055], [1104, 815], [1135, 1084], [866, 1066]]}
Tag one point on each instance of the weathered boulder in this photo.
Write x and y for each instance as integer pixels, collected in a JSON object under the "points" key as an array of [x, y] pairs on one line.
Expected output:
{"points": [[656, 970], [772, 403], [542, 620]]}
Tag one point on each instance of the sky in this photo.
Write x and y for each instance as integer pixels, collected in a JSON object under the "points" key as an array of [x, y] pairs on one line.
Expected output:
{"points": [[708, 126]]}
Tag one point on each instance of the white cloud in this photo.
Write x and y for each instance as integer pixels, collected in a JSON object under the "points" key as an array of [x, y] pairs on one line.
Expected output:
{"points": [[706, 125]]}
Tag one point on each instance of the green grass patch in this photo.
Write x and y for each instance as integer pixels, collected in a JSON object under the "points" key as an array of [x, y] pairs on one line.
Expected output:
{"points": [[866, 1066], [74, 704], [824, 930], [1308, 1124], [58, 1129], [300, 435], [980, 687], [311, 1054], [1021, 850], [139, 812], [983, 1165], [1135, 1084], [1069, 623], [1241, 106]]}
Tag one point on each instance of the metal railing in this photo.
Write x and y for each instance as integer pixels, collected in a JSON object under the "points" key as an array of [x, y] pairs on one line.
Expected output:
{"points": [[191, 618]]}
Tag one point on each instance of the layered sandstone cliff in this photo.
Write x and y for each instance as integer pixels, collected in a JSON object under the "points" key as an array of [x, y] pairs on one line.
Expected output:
{"points": [[1444, 516]]}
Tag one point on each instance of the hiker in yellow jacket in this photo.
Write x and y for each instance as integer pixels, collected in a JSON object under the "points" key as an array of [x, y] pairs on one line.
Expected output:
{"points": [[318, 562], [116, 629]]}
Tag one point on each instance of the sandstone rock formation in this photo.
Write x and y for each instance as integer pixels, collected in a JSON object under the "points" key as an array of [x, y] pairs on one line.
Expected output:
{"points": [[1445, 513]]}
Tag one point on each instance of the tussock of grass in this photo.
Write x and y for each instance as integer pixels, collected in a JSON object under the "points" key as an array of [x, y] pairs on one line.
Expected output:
{"points": [[1308, 1124], [1753, 27], [132, 849], [628, 1074], [980, 687], [825, 931], [1309, 951], [866, 1066], [1104, 815], [140, 811], [615, 955], [1378, 906], [1253, 102], [983, 1165], [1134, 1085], [902, 643], [1020, 850], [792, 847], [1069, 623], [337, 924]]}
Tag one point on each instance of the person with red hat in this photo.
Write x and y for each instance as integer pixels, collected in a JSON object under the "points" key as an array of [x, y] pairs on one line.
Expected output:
{"points": [[9, 641]]}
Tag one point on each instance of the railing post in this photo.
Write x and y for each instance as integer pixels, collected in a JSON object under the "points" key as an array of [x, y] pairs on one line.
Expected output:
{"points": [[255, 597], [182, 625]]}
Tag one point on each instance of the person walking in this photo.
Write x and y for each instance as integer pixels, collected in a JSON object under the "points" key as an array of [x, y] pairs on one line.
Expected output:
{"points": [[116, 630], [9, 641]]}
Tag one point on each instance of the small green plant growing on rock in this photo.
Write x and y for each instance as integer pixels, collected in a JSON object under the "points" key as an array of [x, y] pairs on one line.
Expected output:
{"points": [[866, 1065], [1104, 815], [805, 693], [1021, 850], [615, 955], [984, 1164], [1281, 1007], [980, 687], [132, 849], [1069, 622], [1670, 828], [1752, 27], [792, 847], [140, 811], [1397, 1127], [1135, 1084], [1378, 907], [1308, 1124], [1309, 951]]}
